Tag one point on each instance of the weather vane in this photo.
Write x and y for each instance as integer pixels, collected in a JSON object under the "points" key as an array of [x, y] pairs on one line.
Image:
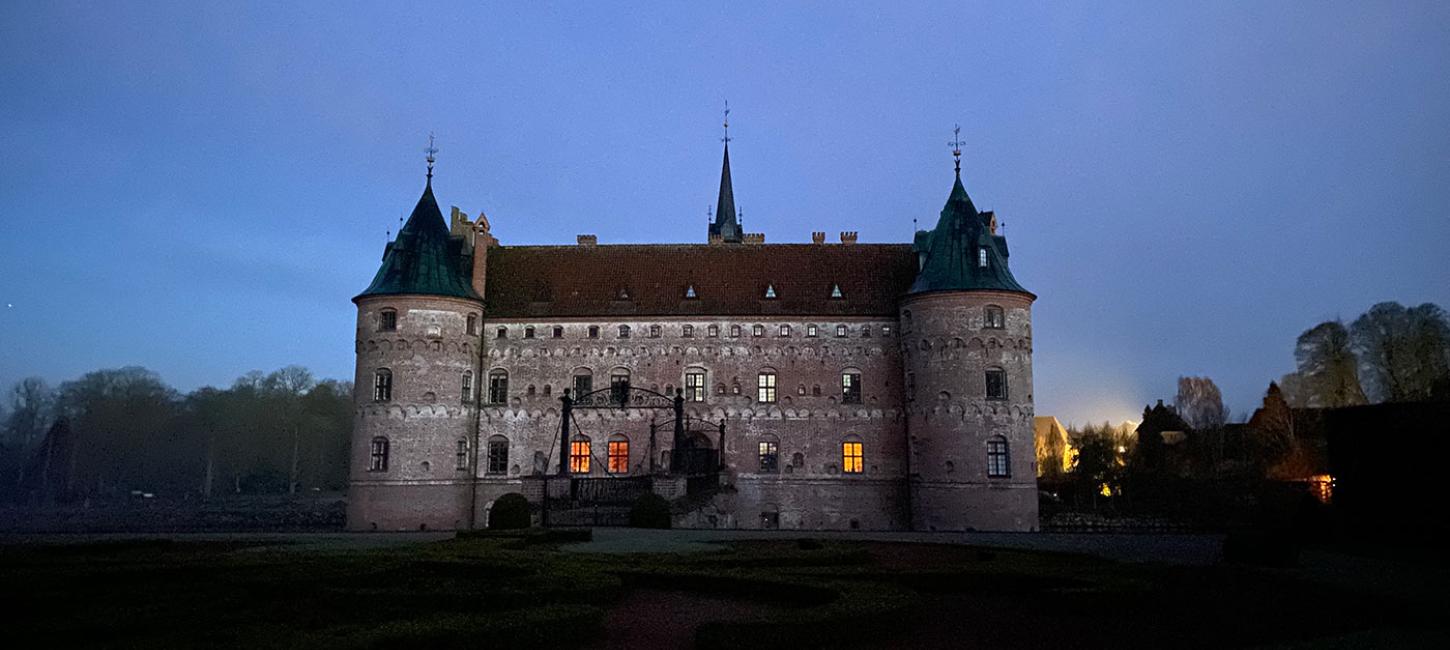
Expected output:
{"points": [[726, 139], [431, 151], [956, 145]]}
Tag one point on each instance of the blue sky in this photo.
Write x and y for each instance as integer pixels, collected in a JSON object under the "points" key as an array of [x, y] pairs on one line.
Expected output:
{"points": [[201, 188]]}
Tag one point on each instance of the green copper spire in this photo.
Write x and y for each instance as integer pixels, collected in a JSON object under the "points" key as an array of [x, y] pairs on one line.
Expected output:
{"points": [[962, 253], [423, 259]]}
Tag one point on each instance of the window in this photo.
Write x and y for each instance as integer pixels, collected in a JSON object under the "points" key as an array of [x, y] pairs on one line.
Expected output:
{"points": [[583, 382], [593, 331], [841, 331], [529, 332], [785, 330], [387, 320], [798, 460], [851, 387], [579, 455], [383, 385], [688, 331], [619, 386], [812, 331], [473, 324], [994, 319], [690, 293], [734, 331], [712, 331], [982, 257], [498, 387], [758, 330], [852, 460], [865, 331], [624, 331], [998, 461], [498, 455], [467, 385], [695, 385], [618, 454], [836, 291], [654, 331], [996, 384], [460, 456], [769, 456], [886, 330], [769, 291], [558, 331], [503, 333], [766, 387], [378, 459]]}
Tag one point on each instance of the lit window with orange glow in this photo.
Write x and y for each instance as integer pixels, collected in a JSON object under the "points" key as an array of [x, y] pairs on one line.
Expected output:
{"points": [[579, 456], [853, 461], [618, 455]]}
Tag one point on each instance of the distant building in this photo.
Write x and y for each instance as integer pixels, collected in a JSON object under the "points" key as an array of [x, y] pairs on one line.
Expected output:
{"points": [[819, 386], [1054, 448]]}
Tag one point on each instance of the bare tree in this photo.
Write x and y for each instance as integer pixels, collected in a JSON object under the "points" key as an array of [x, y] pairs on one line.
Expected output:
{"points": [[1327, 367], [1402, 352], [1200, 403]]}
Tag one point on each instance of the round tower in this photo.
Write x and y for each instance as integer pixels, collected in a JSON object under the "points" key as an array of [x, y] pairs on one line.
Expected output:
{"points": [[417, 380], [966, 335]]}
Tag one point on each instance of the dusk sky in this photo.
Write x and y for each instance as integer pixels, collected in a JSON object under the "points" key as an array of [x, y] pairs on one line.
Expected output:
{"points": [[201, 190]]}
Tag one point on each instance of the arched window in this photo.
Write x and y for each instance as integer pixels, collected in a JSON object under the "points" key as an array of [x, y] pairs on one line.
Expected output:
{"points": [[467, 385], [388, 320], [996, 383], [473, 324], [529, 332], [982, 257], [383, 385], [618, 454], [460, 455], [378, 457], [769, 455], [994, 319], [624, 331], [765, 387], [498, 387], [853, 460], [583, 381], [999, 463], [579, 455], [851, 386], [619, 385], [498, 455]]}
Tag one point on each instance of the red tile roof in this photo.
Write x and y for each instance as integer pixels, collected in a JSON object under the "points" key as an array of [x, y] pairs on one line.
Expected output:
{"points": [[729, 279]]}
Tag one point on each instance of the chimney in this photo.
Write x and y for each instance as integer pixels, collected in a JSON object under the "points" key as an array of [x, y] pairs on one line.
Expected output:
{"points": [[818, 238], [848, 237], [588, 240]]}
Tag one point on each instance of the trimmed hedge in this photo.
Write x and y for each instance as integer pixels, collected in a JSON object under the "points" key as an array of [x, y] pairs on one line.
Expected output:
{"points": [[650, 510], [510, 511]]}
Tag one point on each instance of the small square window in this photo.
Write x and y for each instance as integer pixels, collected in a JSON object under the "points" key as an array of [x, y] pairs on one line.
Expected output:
{"points": [[785, 330], [865, 331], [624, 331], [758, 330], [593, 331], [529, 332], [734, 331], [995, 319], [841, 331], [503, 332], [812, 331], [654, 331], [558, 332], [886, 330], [688, 331], [387, 320], [712, 331]]}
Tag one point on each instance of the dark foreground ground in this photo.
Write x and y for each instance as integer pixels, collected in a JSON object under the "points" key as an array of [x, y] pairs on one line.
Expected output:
{"points": [[522, 590]]}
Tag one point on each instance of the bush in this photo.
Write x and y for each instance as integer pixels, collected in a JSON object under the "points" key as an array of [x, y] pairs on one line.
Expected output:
{"points": [[511, 511], [650, 511]]}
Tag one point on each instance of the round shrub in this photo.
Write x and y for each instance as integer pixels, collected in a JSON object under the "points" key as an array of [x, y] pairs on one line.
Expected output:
{"points": [[650, 510], [510, 511]]}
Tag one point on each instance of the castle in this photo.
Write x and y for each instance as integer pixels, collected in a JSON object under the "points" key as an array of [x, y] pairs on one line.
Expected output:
{"points": [[821, 386]]}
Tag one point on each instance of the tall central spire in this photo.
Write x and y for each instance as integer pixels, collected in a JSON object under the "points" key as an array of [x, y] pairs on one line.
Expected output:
{"points": [[725, 225]]}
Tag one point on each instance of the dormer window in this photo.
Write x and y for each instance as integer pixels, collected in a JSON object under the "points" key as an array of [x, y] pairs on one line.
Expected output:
{"points": [[623, 293], [690, 293], [836, 291], [982, 257], [769, 291]]}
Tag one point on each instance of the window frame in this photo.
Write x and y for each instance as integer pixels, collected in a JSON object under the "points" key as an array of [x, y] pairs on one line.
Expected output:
{"points": [[1001, 377], [766, 383], [580, 450], [460, 454], [467, 386], [981, 257], [472, 327], [851, 392], [853, 456], [498, 386], [999, 457], [497, 463], [994, 318], [695, 392], [387, 320], [617, 454], [382, 385], [378, 452], [842, 331], [768, 453]]}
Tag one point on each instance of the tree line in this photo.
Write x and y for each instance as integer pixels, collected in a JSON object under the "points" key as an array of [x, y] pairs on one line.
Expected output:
{"points": [[113, 432]]}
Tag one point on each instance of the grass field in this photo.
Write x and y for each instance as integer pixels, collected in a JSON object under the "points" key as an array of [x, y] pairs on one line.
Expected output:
{"points": [[521, 591]]}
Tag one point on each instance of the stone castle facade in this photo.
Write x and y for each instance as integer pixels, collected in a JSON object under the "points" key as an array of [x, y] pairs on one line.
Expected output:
{"points": [[831, 385]]}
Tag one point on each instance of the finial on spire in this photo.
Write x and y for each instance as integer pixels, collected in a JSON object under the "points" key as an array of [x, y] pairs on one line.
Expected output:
{"points": [[956, 145], [726, 139], [431, 151]]}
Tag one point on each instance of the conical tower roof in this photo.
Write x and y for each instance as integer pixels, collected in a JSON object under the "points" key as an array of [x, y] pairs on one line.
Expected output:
{"points": [[423, 259], [725, 224], [952, 253]]}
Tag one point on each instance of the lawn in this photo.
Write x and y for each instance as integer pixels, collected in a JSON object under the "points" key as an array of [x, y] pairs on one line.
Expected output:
{"points": [[521, 591]]}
